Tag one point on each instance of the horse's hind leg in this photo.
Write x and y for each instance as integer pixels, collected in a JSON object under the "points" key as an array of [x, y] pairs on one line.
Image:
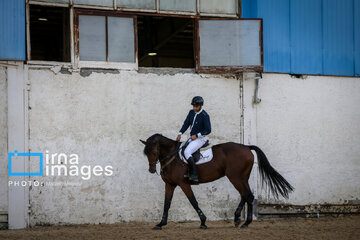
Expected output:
{"points": [[246, 197], [237, 219], [190, 195], [249, 198]]}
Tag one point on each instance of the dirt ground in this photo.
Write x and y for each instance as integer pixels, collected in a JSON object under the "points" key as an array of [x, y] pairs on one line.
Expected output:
{"points": [[342, 228]]}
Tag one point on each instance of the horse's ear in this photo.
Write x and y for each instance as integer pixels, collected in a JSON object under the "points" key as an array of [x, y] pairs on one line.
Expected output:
{"points": [[143, 142]]}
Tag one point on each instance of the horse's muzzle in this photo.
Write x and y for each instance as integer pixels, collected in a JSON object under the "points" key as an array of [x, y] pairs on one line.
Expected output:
{"points": [[152, 170]]}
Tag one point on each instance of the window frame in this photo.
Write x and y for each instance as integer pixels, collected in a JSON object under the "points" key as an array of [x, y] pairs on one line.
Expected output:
{"points": [[157, 9], [28, 37], [76, 63], [103, 64]]}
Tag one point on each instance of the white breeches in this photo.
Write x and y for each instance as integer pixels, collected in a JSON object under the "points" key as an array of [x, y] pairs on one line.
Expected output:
{"points": [[193, 146]]}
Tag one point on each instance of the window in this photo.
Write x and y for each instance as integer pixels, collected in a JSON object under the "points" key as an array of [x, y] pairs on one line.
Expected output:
{"points": [[215, 7], [127, 40], [230, 8], [109, 39], [49, 33], [209, 45], [166, 42], [230, 45]]}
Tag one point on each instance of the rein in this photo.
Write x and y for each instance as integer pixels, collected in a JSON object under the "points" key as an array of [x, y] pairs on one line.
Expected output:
{"points": [[171, 156]]}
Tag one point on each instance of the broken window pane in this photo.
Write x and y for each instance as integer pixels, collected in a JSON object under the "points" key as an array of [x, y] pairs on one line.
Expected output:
{"points": [[92, 38], [230, 42], [121, 39], [106, 3], [216, 6], [178, 5], [146, 4], [166, 42], [49, 33]]}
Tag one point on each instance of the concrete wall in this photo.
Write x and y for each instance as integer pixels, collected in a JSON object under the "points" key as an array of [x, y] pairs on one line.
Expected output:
{"points": [[3, 141], [309, 129], [101, 117]]}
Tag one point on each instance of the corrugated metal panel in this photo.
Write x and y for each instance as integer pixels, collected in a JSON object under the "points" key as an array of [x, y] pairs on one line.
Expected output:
{"points": [[357, 37], [309, 36], [306, 36], [12, 29], [249, 9], [276, 34], [338, 20]]}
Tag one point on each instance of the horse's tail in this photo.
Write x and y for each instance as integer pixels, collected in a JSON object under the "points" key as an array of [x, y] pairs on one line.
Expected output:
{"points": [[271, 177]]}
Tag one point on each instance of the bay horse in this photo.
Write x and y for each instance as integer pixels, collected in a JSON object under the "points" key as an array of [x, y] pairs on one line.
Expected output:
{"points": [[230, 159]]}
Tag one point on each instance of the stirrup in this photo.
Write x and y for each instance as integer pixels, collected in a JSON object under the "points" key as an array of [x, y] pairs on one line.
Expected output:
{"points": [[187, 174], [194, 179]]}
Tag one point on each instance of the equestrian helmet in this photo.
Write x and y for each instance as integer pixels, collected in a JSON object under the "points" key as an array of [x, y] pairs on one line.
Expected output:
{"points": [[196, 101]]}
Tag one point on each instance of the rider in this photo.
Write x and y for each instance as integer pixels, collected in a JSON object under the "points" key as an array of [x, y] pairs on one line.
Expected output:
{"points": [[199, 122]]}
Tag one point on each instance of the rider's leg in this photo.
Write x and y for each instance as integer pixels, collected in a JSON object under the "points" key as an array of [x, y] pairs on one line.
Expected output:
{"points": [[193, 146]]}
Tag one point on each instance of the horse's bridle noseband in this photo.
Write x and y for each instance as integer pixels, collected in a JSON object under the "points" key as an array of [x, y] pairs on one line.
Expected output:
{"points": [[171, 155]]}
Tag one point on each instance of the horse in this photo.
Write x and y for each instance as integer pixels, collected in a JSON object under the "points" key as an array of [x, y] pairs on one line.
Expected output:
{"points": [[230, 159]]}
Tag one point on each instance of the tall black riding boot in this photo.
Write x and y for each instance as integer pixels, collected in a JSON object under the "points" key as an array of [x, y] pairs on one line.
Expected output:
{"points": [[193, 176], [187, 173]]}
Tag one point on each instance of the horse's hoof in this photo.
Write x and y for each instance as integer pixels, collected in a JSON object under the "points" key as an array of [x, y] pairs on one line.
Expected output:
{"points": [[244, 226], [237, 223], [156, 228], [203, 226]]}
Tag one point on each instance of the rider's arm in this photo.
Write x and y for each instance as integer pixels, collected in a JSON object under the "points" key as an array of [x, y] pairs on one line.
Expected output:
{"points": [[207, 126], [186, 124]]}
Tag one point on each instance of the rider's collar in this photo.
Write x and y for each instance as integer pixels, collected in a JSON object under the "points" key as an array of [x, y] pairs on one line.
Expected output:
{"points": [[199, 111]]}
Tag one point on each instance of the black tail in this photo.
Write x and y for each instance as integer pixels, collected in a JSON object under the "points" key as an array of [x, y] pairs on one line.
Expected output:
{"points": [[271, 177]]}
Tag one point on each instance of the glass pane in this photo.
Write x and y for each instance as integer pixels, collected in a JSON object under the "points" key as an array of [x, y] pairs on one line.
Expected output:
{"points": [[106, 3], [145, 4], [178, 5], [92, 38], [218, 6], [56, 1], [229, 42], [121, 39]]}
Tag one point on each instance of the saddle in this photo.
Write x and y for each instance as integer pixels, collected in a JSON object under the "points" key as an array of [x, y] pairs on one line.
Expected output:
{"points": [[196, 155]]}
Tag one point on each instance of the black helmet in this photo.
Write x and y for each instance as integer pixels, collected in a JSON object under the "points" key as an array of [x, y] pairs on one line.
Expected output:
{"points": [[196, 101]]}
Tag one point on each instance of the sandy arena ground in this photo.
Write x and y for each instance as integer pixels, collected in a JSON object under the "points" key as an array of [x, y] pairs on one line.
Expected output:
{"points": [[342, 228]]}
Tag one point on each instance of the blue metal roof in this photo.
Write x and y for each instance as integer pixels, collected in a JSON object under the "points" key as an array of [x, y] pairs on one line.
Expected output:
{"points": [[12, 30], [309, 36]]}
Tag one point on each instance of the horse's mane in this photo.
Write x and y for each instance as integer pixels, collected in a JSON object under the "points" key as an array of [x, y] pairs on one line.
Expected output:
{"points": [[151, 140]]}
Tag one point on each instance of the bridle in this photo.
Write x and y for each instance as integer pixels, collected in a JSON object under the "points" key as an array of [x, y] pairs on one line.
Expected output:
{"points": [[170, 156]]}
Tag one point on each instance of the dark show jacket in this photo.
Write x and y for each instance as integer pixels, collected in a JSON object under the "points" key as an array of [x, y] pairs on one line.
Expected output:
{"points": [[200, 127]]}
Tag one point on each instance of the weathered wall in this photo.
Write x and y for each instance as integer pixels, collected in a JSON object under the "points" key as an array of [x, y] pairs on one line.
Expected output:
{"points": [[3, 141], [101, 118], [309, 128]]}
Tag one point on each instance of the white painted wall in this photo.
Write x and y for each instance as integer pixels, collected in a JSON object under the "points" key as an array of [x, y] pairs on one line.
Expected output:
{"points": [[3, 141], [101, 118], [309, 129]]}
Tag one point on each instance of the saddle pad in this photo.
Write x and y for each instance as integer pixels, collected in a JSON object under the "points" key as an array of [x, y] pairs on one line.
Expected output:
{"points": [[205, 156]]}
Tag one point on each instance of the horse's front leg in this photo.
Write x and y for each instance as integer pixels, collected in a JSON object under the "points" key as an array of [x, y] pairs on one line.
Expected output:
{"points": [[190, 195], [169, 191]]}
